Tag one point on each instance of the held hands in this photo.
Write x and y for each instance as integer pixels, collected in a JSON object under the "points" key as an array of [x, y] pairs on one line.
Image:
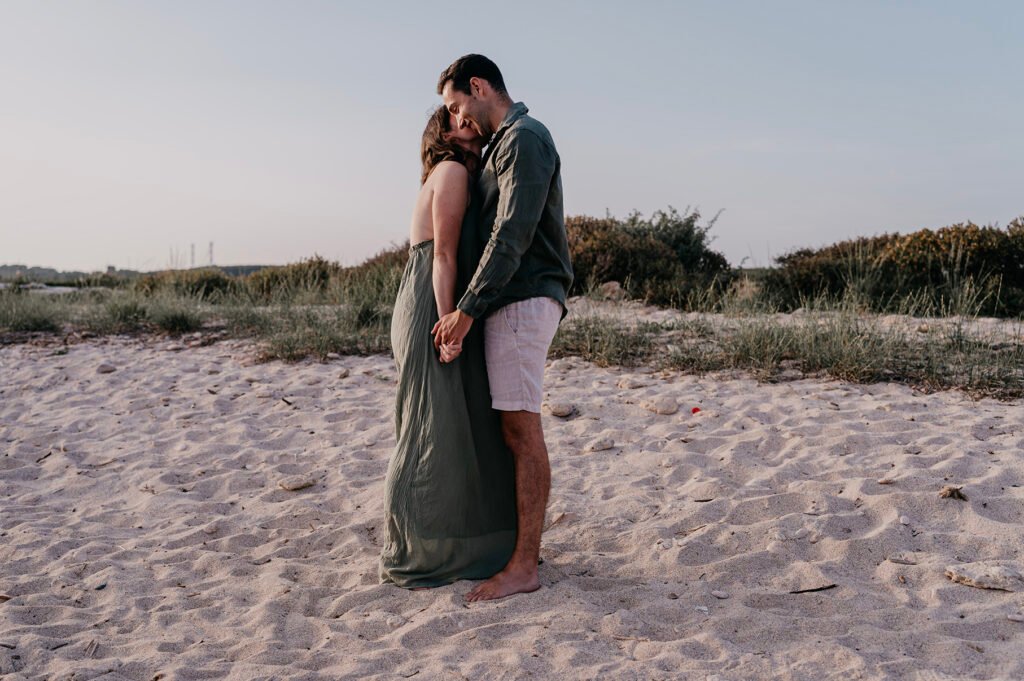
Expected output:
{"points": [[449, 332], [449, 351]]}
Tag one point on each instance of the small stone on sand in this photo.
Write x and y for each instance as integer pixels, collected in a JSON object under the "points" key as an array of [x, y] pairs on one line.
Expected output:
{"points": [[106, 369], [599, 444], [631, 383], [297, 482], [951, 492], [719, 594], [561, 408], [663, 405], [987, 575]]}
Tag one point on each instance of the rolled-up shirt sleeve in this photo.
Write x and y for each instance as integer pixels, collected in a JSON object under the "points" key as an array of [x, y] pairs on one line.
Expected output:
{"points": [[525, 166]]}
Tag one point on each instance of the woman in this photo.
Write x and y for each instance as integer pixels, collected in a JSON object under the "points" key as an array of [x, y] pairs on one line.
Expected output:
{"points": [[450, 488]]}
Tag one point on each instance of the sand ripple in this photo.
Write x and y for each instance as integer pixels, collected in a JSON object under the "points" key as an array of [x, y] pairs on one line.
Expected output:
{"points": [[145, 529]]}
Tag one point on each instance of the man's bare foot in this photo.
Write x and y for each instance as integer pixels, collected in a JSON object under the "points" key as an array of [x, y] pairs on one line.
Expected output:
{"points": [[505, 583]]}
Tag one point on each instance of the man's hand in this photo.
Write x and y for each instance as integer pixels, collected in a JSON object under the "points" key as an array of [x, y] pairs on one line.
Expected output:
{"points": [[450, 330]]}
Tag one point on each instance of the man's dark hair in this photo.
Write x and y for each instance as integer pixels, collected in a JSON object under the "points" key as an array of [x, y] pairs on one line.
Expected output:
{"points": [[472, 66]]}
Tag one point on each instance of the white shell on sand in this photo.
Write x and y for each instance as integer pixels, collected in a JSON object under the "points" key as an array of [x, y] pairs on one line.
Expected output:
{"points": [[903, 558], [561, 408], [904, 520], [664, 405], [987, 575], [599, 444], [106, 369]]}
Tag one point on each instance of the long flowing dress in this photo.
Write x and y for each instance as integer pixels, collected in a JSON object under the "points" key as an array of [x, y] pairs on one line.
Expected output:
{"points": [[450, 487]]}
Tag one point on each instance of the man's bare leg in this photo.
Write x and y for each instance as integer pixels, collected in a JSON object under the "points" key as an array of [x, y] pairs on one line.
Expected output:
{"points": [[524, 436]]}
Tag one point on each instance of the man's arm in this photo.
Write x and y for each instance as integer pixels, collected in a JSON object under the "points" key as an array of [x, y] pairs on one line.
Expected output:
{"points": [[525, 169]]}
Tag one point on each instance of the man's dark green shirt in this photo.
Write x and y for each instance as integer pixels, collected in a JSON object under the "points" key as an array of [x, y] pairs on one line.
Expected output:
{"points": [[521, 215]]}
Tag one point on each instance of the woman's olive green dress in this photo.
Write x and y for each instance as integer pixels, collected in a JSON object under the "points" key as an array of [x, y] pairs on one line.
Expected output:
{"points": [[450, 488]]}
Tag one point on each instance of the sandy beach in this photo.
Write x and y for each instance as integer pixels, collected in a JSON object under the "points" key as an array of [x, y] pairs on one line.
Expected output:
{"points": [[176, 512]]}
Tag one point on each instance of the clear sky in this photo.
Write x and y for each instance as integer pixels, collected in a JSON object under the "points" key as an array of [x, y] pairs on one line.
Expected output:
{"points": [[129, 130]]}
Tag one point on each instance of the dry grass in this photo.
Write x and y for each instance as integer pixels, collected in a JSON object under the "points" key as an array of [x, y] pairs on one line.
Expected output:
{"points": [[349, 312]]}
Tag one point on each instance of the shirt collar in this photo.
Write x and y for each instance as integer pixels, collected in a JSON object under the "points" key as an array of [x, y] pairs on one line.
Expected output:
{"points": [[515, 112]]}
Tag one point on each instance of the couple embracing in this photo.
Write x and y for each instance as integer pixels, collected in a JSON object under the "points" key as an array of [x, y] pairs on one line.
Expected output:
{"points": [[480, 300]]}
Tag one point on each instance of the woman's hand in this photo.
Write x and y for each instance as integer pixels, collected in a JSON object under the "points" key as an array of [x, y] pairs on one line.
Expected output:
{"points": [[449, 351]]}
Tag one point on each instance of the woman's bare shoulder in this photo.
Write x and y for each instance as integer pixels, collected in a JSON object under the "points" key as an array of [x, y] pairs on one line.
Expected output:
{"points": [[449, 171]]}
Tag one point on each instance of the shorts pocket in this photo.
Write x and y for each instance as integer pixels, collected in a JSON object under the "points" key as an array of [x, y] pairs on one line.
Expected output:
{"points": [[511, 315]]}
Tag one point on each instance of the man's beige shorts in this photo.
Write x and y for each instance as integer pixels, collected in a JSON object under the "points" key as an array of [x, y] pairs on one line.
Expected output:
{"points": [[516, 341]]}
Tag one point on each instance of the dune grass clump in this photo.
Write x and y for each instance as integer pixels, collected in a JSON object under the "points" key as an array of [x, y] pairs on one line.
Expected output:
{"points": [[175, 314], [839, 340], [368, 291], [294, 333], [22, 311], [125, 313], [603, 341]]}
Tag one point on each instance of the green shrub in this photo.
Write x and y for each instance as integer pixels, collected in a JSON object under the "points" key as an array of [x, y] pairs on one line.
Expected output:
{"points": [[664, 260], [306, 276], [951, 270], [207, 284]]}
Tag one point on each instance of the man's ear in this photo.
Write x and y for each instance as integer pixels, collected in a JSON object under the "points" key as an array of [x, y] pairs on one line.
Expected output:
{"points": [[477, 86]]}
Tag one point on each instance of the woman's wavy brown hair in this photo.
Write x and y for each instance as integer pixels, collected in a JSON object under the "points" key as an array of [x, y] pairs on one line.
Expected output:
{"points": [[434, 149]]}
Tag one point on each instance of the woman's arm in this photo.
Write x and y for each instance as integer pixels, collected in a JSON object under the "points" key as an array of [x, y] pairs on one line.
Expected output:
{"points": [[448, 206]]}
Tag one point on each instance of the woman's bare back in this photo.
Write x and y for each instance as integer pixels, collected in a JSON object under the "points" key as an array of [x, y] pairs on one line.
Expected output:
{"points": [[448, 175]]}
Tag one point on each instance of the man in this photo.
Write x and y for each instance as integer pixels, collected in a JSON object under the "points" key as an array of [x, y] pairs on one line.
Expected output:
{"points": [[520, 286]]}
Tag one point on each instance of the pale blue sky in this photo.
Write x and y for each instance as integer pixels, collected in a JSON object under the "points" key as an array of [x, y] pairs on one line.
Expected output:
{"points": [[277, 130]]}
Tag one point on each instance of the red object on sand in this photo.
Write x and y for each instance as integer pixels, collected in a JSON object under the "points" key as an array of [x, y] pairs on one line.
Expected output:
{"points": [[695, 410]]}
